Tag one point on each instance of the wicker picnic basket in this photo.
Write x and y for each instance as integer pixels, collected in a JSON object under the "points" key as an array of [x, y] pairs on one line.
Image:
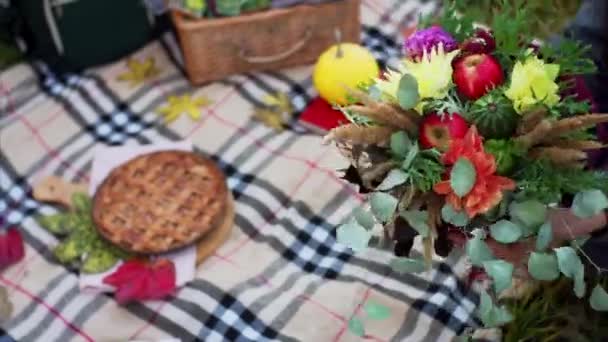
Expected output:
{"points": [[267, 40]]}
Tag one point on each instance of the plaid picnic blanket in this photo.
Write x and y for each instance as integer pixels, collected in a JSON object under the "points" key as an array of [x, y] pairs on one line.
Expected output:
{"points": [[280, 277]]}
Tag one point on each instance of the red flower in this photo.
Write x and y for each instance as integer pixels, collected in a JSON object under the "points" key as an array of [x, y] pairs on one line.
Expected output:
{"points": [[140, 280], [487, 190], [11, 247]]}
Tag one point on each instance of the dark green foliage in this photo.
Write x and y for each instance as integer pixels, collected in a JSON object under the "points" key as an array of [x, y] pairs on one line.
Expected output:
{"points": [[449, 104], [494, 116], [506, 153], [426, 170], [570, 106], [546, 182], [572, 57], [460, 27]]}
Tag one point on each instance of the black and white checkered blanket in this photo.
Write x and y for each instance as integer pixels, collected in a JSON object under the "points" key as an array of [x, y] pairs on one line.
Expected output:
{"points": [[280, 277]]}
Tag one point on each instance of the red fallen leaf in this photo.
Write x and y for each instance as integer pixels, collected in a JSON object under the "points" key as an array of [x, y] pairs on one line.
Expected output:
{"points": [[140, 280], [11, 247]]}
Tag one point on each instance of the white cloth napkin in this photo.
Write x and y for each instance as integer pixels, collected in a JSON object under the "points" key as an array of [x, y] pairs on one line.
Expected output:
{"points": [[105, 159]]}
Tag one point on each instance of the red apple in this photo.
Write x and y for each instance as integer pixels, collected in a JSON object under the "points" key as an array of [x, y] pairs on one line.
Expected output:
{"points": [[475, 75], [439, 130]]}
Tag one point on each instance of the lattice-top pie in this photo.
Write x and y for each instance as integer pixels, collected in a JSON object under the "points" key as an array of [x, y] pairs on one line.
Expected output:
{"points": [[160, 201]]}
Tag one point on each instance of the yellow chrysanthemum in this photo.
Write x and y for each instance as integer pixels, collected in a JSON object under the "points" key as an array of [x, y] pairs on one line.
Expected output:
{"points": [[433, 72], [532, 82]]}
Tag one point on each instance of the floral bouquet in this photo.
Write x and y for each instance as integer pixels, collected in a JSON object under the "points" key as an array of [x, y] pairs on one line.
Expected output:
{"points": [[472, 142]]}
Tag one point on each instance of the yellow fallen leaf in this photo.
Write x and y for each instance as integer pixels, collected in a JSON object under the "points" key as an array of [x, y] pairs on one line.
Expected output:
{"points": [[139, 71], [185, 104]]}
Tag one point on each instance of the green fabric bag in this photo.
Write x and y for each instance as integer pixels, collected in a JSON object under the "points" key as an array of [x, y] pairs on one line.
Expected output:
{"points": [[73, 34]]}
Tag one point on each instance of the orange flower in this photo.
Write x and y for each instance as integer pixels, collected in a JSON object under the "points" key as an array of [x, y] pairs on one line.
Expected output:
{"points": [[487, 190]]}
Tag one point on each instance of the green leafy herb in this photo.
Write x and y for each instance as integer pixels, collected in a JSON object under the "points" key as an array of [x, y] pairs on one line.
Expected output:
{"points": [[423, 168], [448, 105], [506, 153], [426, 170], [546, 182], [83, 247], [458, 24], [571, 55], [570, 106], [511, 31]]}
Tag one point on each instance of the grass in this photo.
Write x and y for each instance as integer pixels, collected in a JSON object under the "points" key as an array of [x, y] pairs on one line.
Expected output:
{"points": [[552, 312]]}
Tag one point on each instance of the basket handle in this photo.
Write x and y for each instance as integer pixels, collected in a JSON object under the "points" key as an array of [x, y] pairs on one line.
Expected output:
{"points": [[279, 56]]}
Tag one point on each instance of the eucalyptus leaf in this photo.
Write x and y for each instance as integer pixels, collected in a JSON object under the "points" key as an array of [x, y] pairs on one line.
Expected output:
{"points": [[589, 203], [353, 235], [450, 215], [409, 158], [531, 213], [485, 305], [407, 265], [394, 178], [364, 218], [400, 144], [568, 261], [501, 273], [376, 311], [462, 177], [491, 315], [543, 266], [419, 220], [545, 236], [478, 251], [355, 326], [505, 231], [383, 205], [599, 299], [407, 93], [579, 283]]}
